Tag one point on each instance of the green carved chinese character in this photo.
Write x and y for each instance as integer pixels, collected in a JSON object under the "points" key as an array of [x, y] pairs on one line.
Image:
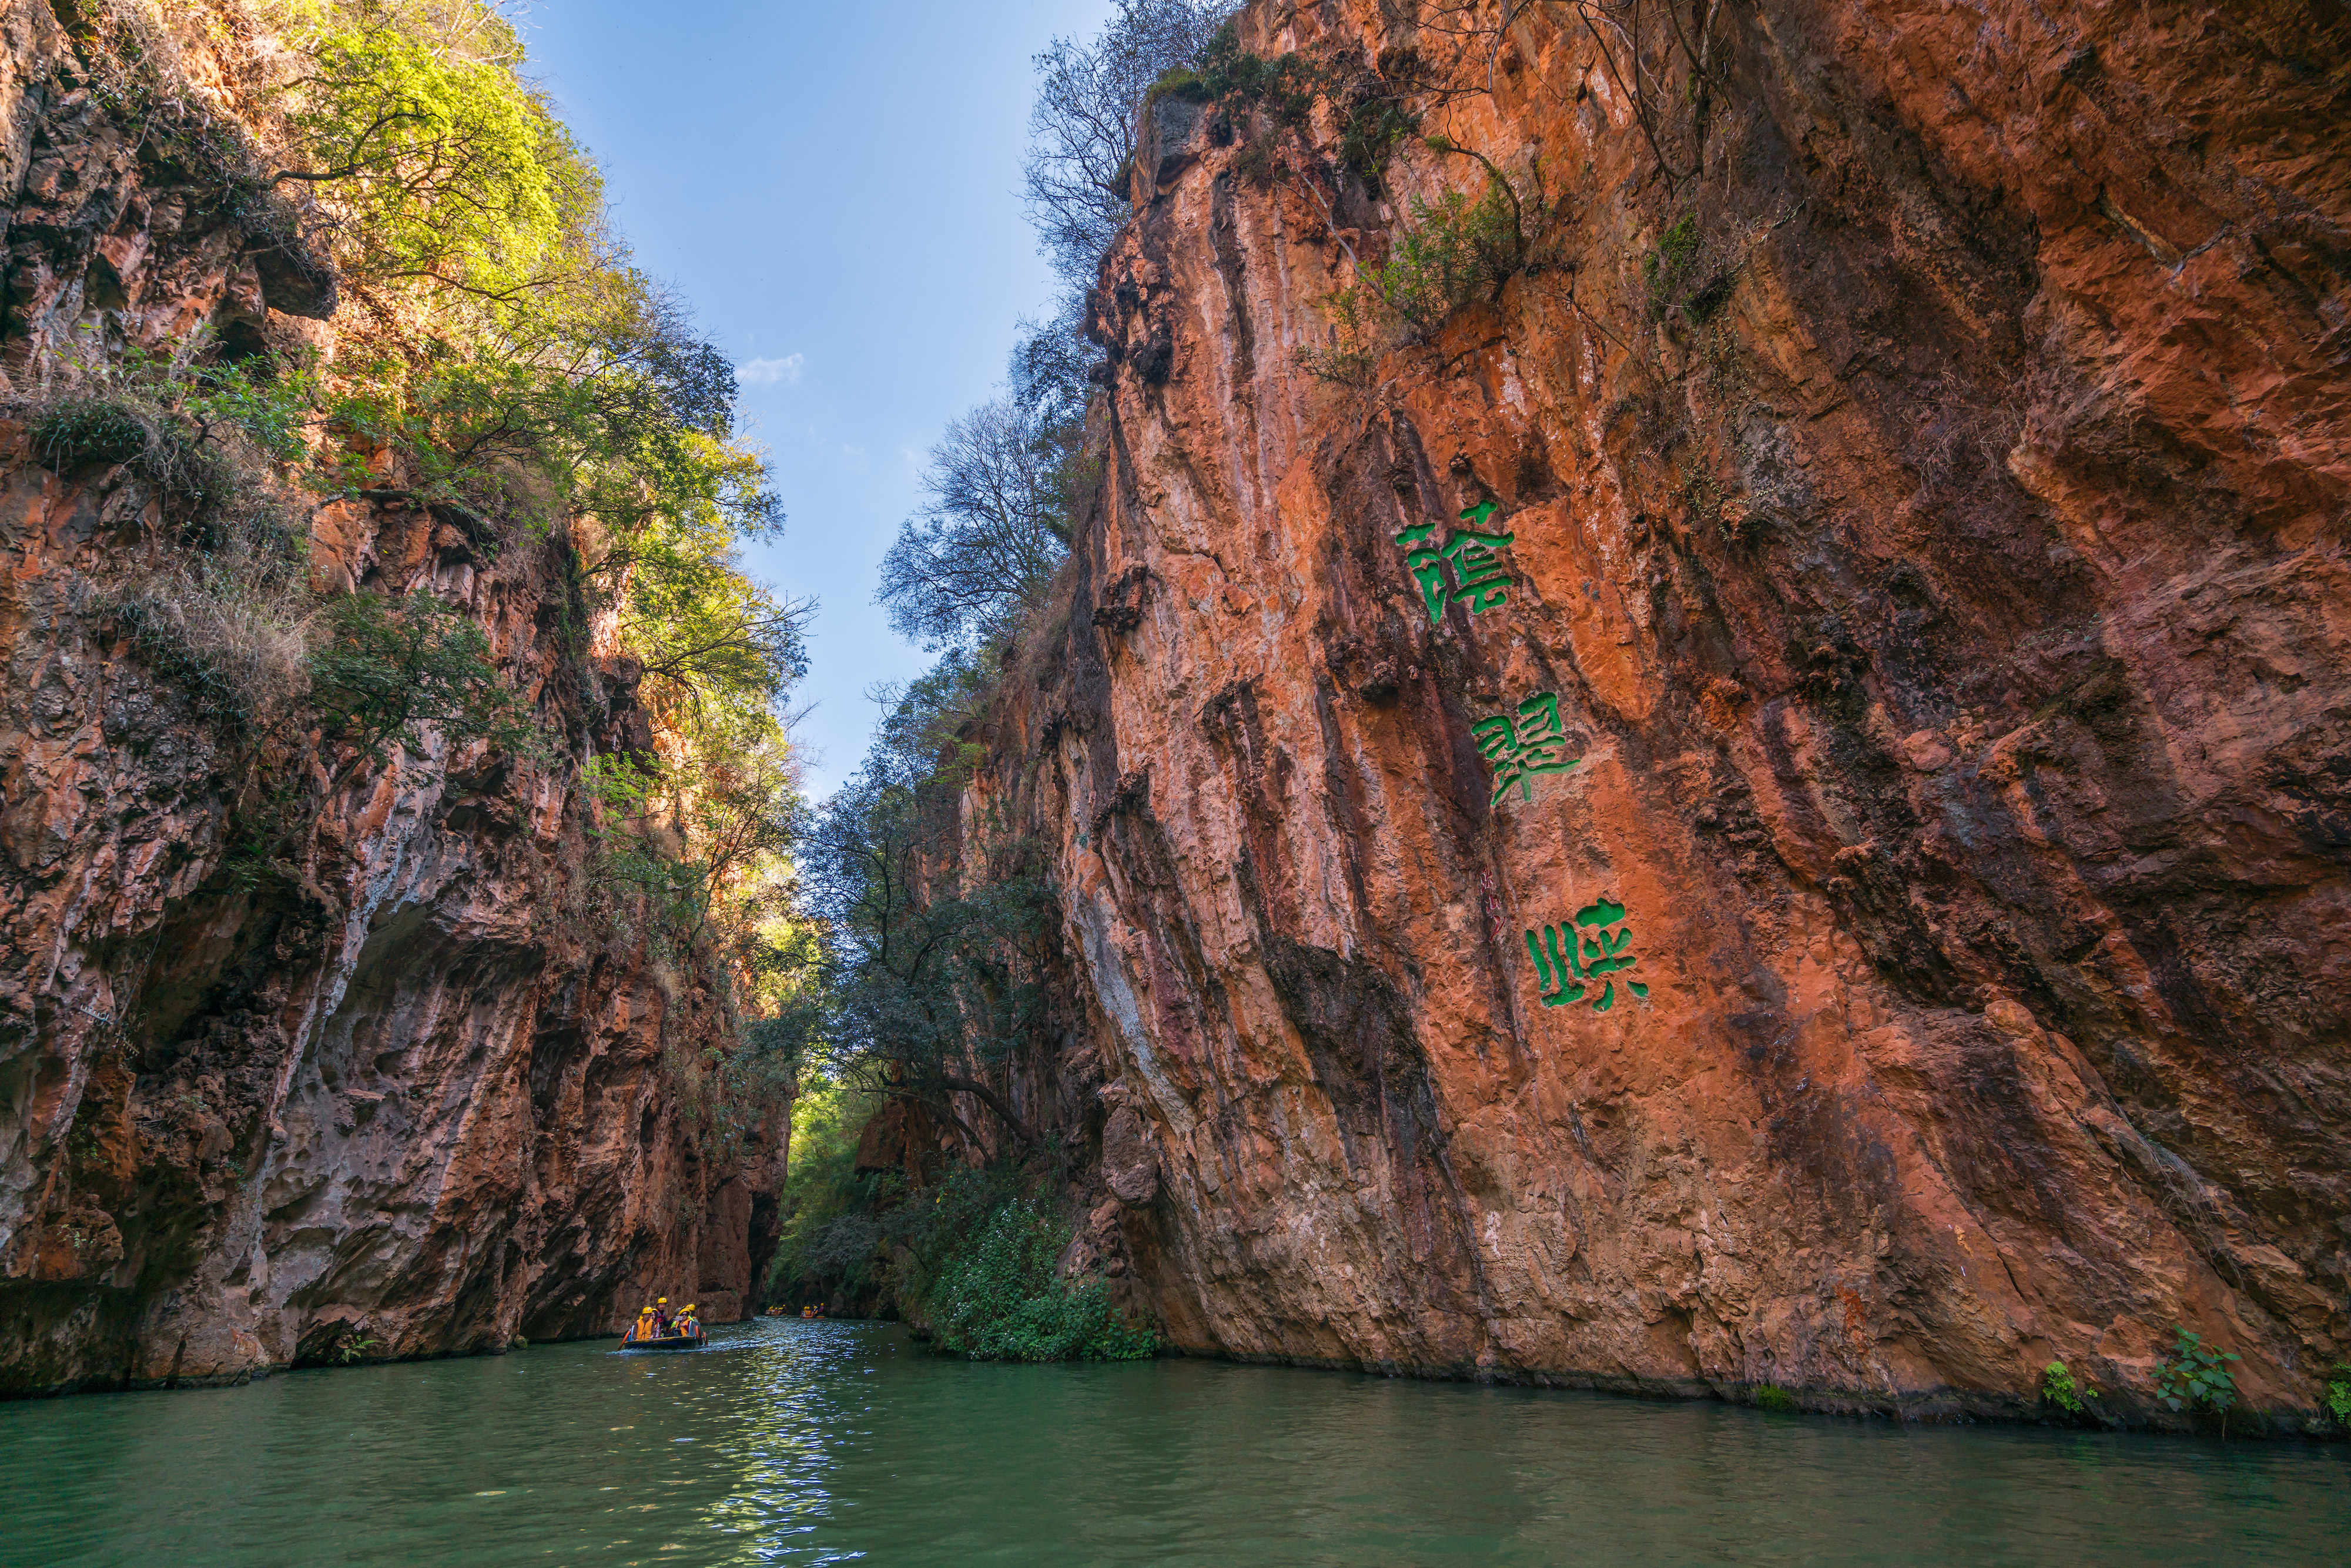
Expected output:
{"points": [[1522, 745], [1595, 949], [1425, 562], [1478, 579]]}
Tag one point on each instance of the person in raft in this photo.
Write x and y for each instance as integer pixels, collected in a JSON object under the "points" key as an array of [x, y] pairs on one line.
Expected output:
{"points": [[646, 1327], [685, 1323], [661, 1317]]}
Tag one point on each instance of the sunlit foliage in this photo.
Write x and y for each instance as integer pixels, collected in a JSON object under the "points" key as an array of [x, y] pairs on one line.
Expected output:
{"points": [[440, 163], [500, 365]]}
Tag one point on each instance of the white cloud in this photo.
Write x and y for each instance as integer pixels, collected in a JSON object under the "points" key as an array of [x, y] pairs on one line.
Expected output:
{"points": [[769, 372]]}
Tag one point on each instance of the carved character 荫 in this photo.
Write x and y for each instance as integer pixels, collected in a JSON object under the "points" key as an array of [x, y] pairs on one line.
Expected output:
{"points": [[1477, 579]]}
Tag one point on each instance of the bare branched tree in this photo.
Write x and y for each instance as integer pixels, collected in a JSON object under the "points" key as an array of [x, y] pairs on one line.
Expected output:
{"points": [[996, 525], [1052, 363], [1082, 131]]}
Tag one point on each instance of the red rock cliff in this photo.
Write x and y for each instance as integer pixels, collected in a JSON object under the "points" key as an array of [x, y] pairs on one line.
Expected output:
{"points": [[1927, 519], [418, 1108]]}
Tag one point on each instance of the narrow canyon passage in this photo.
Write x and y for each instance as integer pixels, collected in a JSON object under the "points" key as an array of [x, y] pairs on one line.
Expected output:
{"points": [[1563, 697]]}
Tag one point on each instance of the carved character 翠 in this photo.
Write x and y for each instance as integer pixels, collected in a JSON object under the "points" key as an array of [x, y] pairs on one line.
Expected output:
{"points": [[1522, 745]]}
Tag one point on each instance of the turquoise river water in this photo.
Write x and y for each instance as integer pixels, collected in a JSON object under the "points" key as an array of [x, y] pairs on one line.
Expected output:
{"points": [[792, 1442]]}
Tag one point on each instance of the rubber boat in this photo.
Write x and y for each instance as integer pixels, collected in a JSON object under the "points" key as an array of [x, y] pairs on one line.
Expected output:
{"points": [[664, 1341]]}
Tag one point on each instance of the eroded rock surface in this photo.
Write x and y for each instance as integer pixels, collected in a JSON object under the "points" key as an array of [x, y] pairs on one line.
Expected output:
{"points": [[402, 1099], [1937, 559]]}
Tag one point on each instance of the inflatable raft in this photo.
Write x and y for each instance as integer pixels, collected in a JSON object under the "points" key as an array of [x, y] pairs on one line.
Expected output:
{"points": [[694, 1340]]}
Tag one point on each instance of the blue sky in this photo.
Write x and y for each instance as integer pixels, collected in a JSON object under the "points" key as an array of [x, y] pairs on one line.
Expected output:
{"points": [[834, 189]]}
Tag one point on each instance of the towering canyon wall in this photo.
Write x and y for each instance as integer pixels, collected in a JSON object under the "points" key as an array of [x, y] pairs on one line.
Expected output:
{"points": [[1928, 523], [410, 1099]]}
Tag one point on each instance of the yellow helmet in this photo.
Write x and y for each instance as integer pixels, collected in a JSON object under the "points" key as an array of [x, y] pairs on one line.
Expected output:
{"points": [[687, 1308], [662, 1301]]}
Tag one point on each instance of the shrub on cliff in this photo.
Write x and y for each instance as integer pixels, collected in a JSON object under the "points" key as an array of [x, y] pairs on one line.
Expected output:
{"points": [[390, 668], [999, 1296], [501, 370], [227, 613], [1270, 102], [202, 436], [231, 625], [1448, 253], [386, 677]]}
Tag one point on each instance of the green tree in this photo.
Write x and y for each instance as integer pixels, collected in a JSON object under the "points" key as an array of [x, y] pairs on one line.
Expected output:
{"points": [[393, 668], [932, 987], [432, 161]]}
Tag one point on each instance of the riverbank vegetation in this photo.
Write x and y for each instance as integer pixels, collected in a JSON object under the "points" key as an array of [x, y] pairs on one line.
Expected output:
{"points": [[2194, 1378], [827, 1252], [2060, 1390], [939, 927], [971, 1256]]}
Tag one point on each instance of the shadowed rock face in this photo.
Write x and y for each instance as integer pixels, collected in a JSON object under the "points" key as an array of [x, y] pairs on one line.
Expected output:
{"points": [[408, 1100], [1935, 556]]}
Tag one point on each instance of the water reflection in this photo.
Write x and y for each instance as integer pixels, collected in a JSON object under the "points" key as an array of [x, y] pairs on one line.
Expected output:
{"points": [[776, 1443], [797, 1442]]}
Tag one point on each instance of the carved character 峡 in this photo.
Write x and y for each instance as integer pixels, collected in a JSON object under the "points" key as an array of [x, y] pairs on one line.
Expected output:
{"points": [[1570, 961]]}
